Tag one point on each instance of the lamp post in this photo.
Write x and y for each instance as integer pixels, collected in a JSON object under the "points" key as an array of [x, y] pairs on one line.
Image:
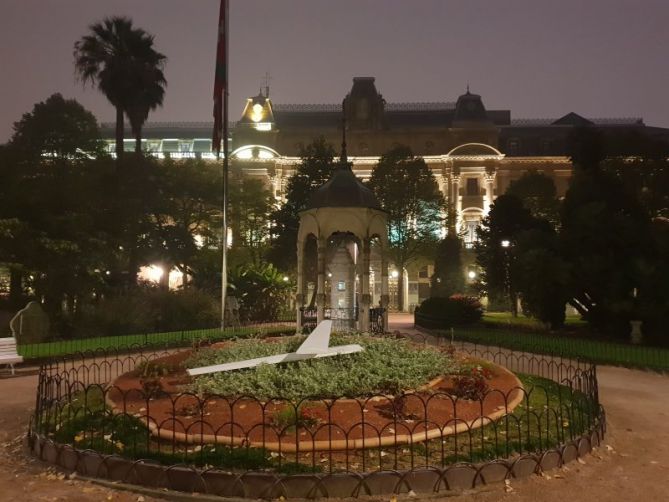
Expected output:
{"points": [[506, 246]]}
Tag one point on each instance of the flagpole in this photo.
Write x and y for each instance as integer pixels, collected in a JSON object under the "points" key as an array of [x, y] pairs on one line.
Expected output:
{"points": [[226, 165], [221, 127]]}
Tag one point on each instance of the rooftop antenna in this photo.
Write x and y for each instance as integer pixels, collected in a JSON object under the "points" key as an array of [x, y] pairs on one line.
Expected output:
{"points": [[266, 80], [467, 87]]}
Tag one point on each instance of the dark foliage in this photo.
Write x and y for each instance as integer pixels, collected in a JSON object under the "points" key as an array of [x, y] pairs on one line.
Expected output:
{"points": [[456, 310]]}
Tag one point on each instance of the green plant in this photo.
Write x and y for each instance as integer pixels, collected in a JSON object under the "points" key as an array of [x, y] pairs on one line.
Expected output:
{"points": [[386, 366], [456, 310], [288, 418]]}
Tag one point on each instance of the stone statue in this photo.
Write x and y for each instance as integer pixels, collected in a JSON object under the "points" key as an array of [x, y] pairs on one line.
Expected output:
{"points": [[30, 324]]}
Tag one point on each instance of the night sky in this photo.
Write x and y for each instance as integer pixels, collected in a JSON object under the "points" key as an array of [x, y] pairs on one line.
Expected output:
{"points": [[538, 58]]}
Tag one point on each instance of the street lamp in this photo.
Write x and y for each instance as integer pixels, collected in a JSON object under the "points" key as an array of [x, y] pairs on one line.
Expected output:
{"points": [[506, 244]]}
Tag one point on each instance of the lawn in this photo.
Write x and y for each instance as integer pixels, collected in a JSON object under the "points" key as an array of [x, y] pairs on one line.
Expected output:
{"points": [[597, 351], [166, 339]]}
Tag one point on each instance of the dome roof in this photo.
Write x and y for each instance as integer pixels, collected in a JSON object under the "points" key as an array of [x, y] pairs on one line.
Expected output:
{"points": [[343, 189], [469, 108]]}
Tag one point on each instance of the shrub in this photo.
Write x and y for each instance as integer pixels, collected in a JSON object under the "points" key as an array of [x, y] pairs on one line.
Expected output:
{"points": [[149, 309], [447, 312], [472, 383], [261, 291]]}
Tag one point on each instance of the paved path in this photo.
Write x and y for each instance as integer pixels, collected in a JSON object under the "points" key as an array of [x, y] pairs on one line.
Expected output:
{"points": [[632, 466]]}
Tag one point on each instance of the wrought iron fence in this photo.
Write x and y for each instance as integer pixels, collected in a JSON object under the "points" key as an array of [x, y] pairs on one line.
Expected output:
{"points": [[88, 408], [56, 347]]}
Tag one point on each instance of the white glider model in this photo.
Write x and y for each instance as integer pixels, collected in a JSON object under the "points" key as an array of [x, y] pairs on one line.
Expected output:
{"points": [[316, 345]]}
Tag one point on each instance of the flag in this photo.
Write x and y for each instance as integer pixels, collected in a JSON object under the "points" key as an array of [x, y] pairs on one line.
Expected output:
{"points": [[221, 75]]}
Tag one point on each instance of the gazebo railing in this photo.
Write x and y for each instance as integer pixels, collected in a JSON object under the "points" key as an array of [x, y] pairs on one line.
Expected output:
{"points": [[343, 319]]}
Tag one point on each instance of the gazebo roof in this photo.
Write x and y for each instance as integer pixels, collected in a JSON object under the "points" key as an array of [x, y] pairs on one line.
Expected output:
{"points": [[343, 189]]}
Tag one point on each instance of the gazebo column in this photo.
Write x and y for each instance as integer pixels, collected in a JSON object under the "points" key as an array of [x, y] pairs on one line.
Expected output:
{"points": [[385, 298], [299, 297], [321, 296], [366, 299]]}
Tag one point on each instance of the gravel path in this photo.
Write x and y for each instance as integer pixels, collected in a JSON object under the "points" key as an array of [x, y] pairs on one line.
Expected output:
{"points": [[631, 465]]}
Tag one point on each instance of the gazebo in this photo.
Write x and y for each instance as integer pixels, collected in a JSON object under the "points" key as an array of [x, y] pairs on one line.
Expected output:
{"points": [[346, 213]]}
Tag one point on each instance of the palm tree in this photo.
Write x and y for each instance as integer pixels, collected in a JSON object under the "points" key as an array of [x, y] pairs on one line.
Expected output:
{"points": [[119, 59], [150, 91]]}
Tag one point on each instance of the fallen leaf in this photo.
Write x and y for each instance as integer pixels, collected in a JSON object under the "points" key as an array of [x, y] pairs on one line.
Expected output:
{"points": [[507, 486]]}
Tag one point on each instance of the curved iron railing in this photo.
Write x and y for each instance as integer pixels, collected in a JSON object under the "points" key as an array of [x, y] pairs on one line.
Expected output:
{"points": [[84, 412]]}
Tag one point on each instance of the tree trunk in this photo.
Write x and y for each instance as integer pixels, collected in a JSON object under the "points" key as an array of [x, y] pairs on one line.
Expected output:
{"points": [[138, 140], [119, 132], [400, 289]]}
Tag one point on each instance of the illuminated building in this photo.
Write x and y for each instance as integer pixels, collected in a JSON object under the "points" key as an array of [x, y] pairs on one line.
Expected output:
{"points": [[473, 152]]}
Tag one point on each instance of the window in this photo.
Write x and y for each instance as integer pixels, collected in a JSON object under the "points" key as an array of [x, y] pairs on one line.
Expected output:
{"points": [[341, 286], [202, 145], [513, 145], [473, 186], [422, 273]]}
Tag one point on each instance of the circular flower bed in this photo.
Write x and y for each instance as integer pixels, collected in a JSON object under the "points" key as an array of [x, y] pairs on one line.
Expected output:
{"points": [[394, 392]]}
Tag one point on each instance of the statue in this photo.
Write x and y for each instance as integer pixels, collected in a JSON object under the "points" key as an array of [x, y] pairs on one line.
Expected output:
{"points": [[30, 324]]}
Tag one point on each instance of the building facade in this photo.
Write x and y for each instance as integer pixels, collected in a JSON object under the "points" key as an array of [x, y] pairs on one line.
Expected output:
{"points": [[474, 153]]}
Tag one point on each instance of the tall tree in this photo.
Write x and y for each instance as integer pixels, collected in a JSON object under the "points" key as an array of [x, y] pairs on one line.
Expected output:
{"points": [[538, 194], [542, 274], [605, 236], [448, 278], [57, 127], [149, 85], [250, 206], [121, 61], [315, 168], [496, 249], [408, 191]]}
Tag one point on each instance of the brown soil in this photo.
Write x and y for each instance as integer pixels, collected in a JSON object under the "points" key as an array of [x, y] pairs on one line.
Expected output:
{"points": [[333, 424]]}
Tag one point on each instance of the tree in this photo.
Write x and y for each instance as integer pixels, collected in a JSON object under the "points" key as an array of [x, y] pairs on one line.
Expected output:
{"points": [[542, 274], [448, 278], [57, 127], [315, 168], [605, 237], [496, 249], [49, 237], [408, 191], [538, 194], [250, 206], [121, 61], [149, 93], [187, 211]]}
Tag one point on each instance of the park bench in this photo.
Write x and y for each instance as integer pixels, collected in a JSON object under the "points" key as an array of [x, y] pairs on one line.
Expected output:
{"points": [[8, 354]]}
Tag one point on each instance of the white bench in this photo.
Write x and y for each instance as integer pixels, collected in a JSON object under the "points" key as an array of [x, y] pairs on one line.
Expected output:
{"points": [[8, 354]]}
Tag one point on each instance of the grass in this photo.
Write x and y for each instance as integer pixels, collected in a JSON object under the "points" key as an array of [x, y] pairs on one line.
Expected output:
{"points": [[505, 319], [549, 415], [173, 338], [597, 351], [386, 366]]}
